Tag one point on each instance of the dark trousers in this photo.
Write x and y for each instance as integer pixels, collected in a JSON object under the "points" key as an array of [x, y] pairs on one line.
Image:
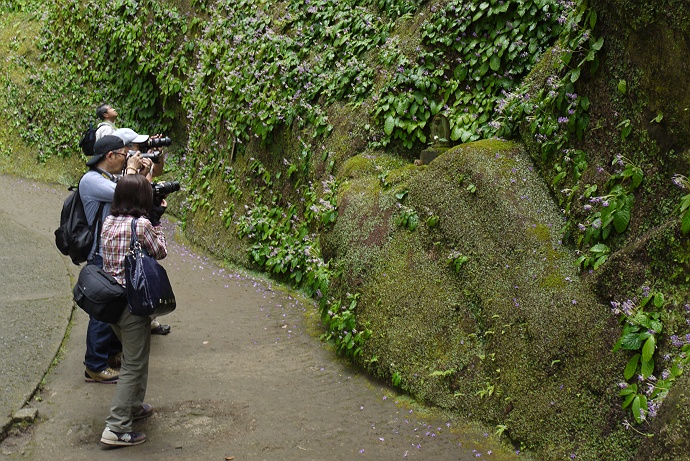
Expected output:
{"points": [[101, 341]]}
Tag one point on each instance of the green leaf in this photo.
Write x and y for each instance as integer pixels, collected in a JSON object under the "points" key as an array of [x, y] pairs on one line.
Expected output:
{"points": [[631, 367], [636, 409], [495, 62], [575, 74], [584, 103], [389, 125], [647, 368], [685, 222], [628, 390], [600, 260], [637, 177], [622, 86], [631, 342], [656, 325], [658, 301], [628, 400], [621, 218], [598, 44], [484, 68], [460, 72], [648, 349], [600, 248]]}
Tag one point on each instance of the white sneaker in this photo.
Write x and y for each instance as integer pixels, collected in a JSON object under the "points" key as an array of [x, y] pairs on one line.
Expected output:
{"points": [[122, 439]]}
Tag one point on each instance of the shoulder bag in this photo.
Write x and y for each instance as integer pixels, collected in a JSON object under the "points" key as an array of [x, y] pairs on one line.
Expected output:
{"points": [[99, 294], [149, 292]]}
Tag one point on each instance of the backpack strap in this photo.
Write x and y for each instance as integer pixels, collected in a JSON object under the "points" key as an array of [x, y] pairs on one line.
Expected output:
{"points": [[97, 225]]}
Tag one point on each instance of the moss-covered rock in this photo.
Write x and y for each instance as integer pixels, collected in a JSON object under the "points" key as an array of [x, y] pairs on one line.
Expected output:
{"points": [[514, 337]]}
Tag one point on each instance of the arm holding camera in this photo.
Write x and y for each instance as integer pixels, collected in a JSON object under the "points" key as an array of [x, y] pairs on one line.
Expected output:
{"points": [[138, 165], [157, 212]]}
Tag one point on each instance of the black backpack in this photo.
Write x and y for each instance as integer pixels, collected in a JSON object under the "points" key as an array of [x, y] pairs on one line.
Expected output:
{"points": [[88, 139], [74, 237]]}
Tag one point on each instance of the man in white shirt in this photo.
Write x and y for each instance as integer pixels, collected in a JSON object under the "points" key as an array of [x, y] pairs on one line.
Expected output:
{"points": [[108, 115]]}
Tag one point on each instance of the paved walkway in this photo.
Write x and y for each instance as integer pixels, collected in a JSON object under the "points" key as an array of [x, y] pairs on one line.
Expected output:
{"points": [[35, 296]]}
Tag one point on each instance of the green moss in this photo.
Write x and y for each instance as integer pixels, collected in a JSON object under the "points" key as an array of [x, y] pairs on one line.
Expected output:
{"points": [[358, 166]]}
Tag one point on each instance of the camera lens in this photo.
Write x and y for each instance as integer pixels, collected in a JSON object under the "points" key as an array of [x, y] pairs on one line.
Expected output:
{"points": [[159, 142]]}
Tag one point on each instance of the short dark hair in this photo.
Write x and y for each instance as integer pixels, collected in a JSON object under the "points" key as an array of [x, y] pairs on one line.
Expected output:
{"points": [[101, 110], [133, 196]]}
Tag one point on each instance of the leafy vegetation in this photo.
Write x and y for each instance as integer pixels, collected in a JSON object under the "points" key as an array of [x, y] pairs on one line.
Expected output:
{"points": [[474, 54], [642, 391]]}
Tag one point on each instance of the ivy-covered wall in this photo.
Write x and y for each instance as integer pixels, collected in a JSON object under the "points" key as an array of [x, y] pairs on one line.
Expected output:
{"points": [[484, 282]]}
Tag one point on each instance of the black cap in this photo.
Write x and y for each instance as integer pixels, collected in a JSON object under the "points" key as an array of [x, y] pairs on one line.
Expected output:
{"points": [[103, 146]]}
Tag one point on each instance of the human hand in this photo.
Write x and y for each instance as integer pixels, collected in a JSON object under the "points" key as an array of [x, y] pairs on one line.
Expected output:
{"points": [[157, 212], [146, 165], [134, 161]]}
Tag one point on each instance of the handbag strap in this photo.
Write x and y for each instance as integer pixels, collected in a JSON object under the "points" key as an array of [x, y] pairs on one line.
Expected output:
{"points": [[134, 241]]}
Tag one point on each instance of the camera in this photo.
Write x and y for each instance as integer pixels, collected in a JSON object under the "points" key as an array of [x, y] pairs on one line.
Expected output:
{"points": [[154, 156], [162, 189], [152, 143]]}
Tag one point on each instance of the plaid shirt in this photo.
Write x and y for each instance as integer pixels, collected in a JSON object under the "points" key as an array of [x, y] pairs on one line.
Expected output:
{"points": [[115, 239]]}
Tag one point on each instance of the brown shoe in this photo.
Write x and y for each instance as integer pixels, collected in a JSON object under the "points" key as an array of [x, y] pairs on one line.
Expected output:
{"points": [[107, 376]]}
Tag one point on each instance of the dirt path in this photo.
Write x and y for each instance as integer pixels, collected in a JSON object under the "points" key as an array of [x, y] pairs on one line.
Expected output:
{"points": [[241, 375]]}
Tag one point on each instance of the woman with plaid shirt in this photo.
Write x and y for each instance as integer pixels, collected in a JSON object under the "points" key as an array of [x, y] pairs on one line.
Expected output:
{"points": [[133, 199]]}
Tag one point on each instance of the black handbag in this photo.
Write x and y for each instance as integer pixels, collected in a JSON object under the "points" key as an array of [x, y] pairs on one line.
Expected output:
{"points": [[99, 294], [149, 292]]}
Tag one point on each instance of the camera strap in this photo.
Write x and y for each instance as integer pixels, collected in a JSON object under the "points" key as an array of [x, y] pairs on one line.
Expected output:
{"points": [[107, 175]]}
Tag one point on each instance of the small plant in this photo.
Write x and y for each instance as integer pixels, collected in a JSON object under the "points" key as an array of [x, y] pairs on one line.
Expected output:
{"points": [[457, 259], [488, 391], [595, 257], [609, 212], [341, 323], [396, 379], [642, 392], [442, 374], [626, 128], [432, 221], [500, 429], [407, 218]]}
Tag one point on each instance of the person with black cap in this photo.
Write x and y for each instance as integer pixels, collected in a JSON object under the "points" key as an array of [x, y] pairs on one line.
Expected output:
{"points": [[96, 189]]}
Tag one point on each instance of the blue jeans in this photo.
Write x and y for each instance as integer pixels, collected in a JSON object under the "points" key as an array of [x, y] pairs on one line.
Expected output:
{"points": [[101, 341]]}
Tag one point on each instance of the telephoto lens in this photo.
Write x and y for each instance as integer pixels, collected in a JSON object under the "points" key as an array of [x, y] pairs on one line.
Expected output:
{"points": [[158, 142], [162, 189]]}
